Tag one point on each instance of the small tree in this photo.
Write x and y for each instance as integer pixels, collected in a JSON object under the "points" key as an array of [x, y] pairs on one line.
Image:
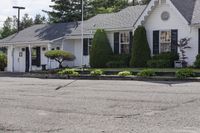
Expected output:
{"points": [[101, 50], [3, 61], [140, 50], [183, 45], [60, 56]]}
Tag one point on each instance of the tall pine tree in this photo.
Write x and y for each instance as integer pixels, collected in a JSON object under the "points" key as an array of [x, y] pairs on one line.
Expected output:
{"points": [[67, 11]]}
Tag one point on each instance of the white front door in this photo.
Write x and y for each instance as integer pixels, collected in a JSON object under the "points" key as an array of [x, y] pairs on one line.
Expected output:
{"points": [[19, 60]]}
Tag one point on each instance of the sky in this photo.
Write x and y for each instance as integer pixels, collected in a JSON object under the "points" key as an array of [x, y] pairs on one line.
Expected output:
{"points": [[33, 7]]}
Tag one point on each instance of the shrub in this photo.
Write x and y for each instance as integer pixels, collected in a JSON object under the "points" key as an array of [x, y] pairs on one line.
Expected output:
{"points": [[168, 56], [70, 72], [96, 72], [197, 62], [60, 56], [140, 50], [184, 73], [124, 73], [158, 63], [115, 64], [146, 73], [101, 50], [3, 61]]}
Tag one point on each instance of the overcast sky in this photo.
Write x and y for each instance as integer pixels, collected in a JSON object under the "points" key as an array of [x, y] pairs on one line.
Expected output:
{"points": [[33, 7]]}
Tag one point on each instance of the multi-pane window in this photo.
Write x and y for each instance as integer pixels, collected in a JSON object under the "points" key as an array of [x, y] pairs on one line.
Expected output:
{"points": [[124, 42], [165, 41]]}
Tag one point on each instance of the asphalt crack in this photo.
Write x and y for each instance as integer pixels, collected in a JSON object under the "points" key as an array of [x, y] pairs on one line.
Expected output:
{"points": [[60, 87]]}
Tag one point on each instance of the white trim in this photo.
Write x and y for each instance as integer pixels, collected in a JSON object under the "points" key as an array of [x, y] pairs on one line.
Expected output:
{"points": [[25, 43]]}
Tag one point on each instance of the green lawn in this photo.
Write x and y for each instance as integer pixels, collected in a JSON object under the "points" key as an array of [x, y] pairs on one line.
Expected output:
{"points": [[139, 69]]}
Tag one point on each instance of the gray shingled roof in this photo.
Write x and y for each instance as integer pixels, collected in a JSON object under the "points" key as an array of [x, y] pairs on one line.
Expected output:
{"points": [[123, 19], [45, 32], [42, 32], [196, 13], [190, 9]]}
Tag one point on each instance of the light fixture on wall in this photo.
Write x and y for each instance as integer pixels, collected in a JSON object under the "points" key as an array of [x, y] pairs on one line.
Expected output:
{"points": [[43, 49], [23, 49]]}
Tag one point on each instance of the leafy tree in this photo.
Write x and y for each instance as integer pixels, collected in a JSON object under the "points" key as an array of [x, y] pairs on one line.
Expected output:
{"points": [[60, 56], [39, 19], [108, 6], [8, 28], [140, 50], [66, 11], [3, 61], [101, 50], [26, 22]]}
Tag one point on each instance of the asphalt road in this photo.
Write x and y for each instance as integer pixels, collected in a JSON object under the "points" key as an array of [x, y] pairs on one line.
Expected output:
{"points": [[67, 106]]}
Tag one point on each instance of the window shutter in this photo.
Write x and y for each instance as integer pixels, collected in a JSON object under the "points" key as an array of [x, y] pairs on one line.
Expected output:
{"points": [[199, 42], [38, 53], [155, 42], [27, 59], [174, 40], [85, 47], [131, 41], [116, 43]]}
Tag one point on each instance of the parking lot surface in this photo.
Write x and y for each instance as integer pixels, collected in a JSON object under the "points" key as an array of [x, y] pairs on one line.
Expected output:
{"points": [[29, 105]]}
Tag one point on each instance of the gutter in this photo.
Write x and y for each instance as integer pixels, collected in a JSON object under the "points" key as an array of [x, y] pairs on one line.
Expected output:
{"points": [[21, 43]]}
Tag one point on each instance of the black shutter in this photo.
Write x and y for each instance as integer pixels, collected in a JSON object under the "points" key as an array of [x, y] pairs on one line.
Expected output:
{"points": [[27, 59], [174, 40], [85, 47], [131, 42], [116, 43], [155, 42], [38, 59], [199, 42]]}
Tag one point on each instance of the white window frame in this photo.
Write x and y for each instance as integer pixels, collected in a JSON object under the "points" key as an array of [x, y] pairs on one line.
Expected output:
{"points": [[124, 43], [160, 40]]}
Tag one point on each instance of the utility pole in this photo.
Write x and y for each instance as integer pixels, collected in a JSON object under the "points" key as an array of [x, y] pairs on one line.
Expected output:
{"points": [[18, 19]]}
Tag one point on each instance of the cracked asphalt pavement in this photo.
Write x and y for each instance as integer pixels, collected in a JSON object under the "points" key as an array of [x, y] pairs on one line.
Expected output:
{"points": [[30, 105]]}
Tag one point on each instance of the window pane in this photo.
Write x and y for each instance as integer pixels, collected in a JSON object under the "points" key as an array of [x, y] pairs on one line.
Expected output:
{"points": [[165, 37], [125, 37], [124, 48], [165, 47], [33, 53]]}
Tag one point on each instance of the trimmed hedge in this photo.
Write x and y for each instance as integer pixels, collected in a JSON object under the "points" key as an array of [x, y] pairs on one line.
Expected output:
{"points": [[140, 50], [96, 72], [101, 50], [124, 73], [3, 61], [119, 61], [146, 73], [158, 63], [184, 73], [197, 62], [70, 72], [163, 60]]}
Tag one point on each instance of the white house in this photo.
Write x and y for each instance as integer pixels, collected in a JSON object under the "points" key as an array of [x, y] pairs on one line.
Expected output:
{"points": [[166, 22]]}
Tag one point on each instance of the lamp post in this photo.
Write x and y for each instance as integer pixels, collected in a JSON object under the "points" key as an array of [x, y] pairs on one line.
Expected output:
{"points": [[18, 19], [82, 36]]}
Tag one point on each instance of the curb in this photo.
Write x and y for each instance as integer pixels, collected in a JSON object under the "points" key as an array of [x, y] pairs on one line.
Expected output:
{"points": [[110, 77]]}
